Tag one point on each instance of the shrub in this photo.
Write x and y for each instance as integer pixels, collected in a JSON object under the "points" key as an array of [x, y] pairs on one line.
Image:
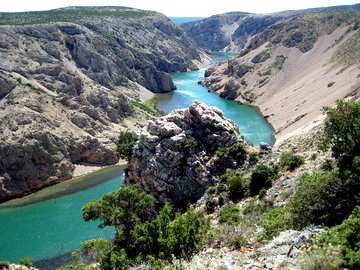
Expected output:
{"points": [[236, 151], [347, 237], [211, 205], [274, 221], [290, 161], [230, 214], [262, 177], [325, 258], [328, 165], [342, 132], [324, 199], [238, 188], [186, 145], [164, 236], [125, 144], [26, 262], [141, 240], [4, 265]]}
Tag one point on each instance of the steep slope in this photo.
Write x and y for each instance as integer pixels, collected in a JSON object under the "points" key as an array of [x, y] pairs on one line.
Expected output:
{"points": [[294, 68], [229, 31], [232, 31], [66, 77]]}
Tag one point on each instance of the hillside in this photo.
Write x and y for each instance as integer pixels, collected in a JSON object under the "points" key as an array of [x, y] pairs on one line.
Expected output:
{"points": [[294, 68], [232, 31], [69, 80]]}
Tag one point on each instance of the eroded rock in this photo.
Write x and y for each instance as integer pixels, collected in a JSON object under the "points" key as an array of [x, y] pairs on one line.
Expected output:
{"points": [[174, 157]]}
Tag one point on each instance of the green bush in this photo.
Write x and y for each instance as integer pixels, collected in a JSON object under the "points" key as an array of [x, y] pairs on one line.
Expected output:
{"points": [[186, 145], [290, 161], [347, 237], [230, 214], [238, 188], [4, 265], [140, 238], [325, 258], [324, 199], [26, 262], [210, 206], [275, 221], [125, 144], [262, 177], [342, 132], [328, 165], [237, 151]]}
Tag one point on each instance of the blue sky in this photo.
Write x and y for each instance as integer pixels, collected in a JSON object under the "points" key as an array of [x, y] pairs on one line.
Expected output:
{"points": [[183, 8]]}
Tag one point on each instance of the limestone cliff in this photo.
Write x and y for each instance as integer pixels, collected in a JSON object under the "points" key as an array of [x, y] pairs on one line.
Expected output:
{"points": [[174, 158], [67, 81]]}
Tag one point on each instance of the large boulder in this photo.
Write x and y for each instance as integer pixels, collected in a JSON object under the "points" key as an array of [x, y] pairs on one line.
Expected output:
{"points": [[174, 158]]}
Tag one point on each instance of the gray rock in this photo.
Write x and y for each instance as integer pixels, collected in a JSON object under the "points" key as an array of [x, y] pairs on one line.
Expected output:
{"points": [[265, 146], [173, 159]]}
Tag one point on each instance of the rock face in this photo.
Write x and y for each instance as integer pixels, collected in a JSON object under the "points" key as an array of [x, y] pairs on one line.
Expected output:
{"points": [[287, 68], [234, 30], [65, 80], [174, 157]]}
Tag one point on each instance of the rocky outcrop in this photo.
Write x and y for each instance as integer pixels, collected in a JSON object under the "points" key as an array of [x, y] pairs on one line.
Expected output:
{"points": [[174, 158]]}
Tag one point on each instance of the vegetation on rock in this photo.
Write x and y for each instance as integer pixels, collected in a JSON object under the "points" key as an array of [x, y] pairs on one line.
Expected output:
{"points": [[290, 161], [125, 144]]}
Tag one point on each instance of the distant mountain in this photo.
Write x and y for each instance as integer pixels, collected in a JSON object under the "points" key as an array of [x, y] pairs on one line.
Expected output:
{"points": [[180, 20], [232, 31]]}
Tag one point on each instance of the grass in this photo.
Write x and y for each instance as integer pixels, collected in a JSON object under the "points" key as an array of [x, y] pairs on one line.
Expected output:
{"points": [[349, 52], [149, 106], [69, 15]]}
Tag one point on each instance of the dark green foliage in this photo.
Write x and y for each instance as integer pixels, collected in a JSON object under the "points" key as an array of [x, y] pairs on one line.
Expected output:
{"points": [[149, 107], [230, 214], [262, 177], [68, 15], [324, 199], [26, 262], [342, 132], [140, 238], [123, 209], [275, 221], [236, 151], [125, 144], [347, 236], [328, 165], [211, 205], [238, 187], [4, 265], [186, 145], [290, 161]]}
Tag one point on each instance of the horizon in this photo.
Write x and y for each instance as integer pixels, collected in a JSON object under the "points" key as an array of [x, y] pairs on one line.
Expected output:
{"points": [[199, 8]]}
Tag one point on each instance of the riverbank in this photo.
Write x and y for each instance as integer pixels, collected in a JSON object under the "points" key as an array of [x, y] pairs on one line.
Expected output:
{"points": [[88, 177], [84, 169]]}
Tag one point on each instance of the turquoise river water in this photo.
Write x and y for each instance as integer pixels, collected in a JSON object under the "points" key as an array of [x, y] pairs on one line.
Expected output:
{"points": [[252, 125], [49, 223]]}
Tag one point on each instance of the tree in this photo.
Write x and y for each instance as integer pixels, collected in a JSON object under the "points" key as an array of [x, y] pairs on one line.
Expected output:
{"points": [[123, 209], [125, 144], [342, 133]]}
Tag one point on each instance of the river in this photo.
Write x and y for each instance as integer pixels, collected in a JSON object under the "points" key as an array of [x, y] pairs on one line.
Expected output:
{"points": [[253, 126], [49, 223]]}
